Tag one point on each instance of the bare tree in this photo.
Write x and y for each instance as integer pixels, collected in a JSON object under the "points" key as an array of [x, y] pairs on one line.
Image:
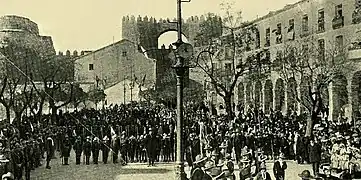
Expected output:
{"points": [[316, 65], [16, 75], [224, 41]]}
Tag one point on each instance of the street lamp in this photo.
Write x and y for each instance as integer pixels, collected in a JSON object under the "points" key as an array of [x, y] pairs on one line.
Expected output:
{"points": [[183, 52]]}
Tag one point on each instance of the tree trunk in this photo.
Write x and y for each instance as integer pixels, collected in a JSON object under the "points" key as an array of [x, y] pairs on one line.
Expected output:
{"points": [[53, 111], [309, 127], [8, 114], [228, 103]]}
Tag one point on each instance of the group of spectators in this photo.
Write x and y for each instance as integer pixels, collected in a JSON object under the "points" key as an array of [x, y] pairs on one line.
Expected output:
{"points": [[146, 133]]}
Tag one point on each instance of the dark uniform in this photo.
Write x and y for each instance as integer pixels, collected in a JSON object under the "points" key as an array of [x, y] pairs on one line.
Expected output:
{"points": [[78, 148], [124, 147], [87, 150], [95, 150], [105, 149], [65, 149], [27, 159], [115, 147], [151, 146], [17, 159]]}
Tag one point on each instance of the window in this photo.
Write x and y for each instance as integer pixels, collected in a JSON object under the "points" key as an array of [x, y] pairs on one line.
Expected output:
{"points": [[305, 23], [91, 67], [339, 44], [321, 20], [124, 53], [268, 35], [279, 28], [279, 34], [291, 32], [228, 68], [338, 20], [321, 49], [291, 23], [338, 11]]}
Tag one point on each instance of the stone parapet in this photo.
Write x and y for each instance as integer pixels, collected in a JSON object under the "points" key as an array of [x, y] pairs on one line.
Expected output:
{"points": [[12, 22]]}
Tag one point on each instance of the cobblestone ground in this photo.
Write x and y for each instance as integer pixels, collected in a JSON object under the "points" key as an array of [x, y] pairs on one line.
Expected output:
{"points": [[132, 171]]}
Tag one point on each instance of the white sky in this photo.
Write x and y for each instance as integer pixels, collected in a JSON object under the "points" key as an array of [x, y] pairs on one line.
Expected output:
{"points": [[91, 24]]}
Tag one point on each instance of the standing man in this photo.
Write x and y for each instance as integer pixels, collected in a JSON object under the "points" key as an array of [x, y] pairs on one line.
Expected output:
{"points": [[151, 145], [263, 174], [95, 150], [124, 147], [314, 151], [115, 148], [105, 149], [78, 148], [27, 159], [65, 149], [87, 149], [279, 168], [50, 148], [17, 157]]}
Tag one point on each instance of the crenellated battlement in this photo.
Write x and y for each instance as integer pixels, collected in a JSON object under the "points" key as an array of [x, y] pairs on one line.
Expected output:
{"points": [[146, 30], [133, 20], [75, 53]]}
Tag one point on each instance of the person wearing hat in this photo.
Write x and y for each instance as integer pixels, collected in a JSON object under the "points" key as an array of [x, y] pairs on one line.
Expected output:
{"points": [[87, 146], [335, 154], [263, 174], [152, 143], [196, 172], [65, 149], [124, 147], [214, 157], [17, 157], [260, 159], [50, 148], [105, 146], [314, 152], [279, 168], [207, 171], [95, 149], [8, 176], [244, 165], [27, 159], [208, 150], [78, 148], [305, 175], [238, 142], [115, 141]]}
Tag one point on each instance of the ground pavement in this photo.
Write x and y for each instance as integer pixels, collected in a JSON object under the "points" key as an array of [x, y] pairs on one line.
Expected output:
{"points": [[132, 171]]}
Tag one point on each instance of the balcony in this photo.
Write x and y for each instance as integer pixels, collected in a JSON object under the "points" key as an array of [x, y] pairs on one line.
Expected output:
{"points": [[338, 22], [321, 26], [356, 16], [354, 52], [291, 35], [278, 38]]}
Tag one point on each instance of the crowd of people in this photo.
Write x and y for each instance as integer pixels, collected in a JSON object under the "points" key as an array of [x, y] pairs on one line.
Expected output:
{"points": [[146, 133]]}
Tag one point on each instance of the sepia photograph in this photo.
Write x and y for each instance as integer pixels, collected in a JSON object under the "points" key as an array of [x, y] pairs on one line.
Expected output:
{"points": [[180, 89]]}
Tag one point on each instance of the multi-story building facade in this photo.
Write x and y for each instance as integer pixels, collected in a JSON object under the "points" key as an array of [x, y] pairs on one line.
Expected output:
{"points": [[112, 64], [331, 23]]}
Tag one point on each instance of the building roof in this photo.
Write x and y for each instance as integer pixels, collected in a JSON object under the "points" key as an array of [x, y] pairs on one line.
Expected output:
{"points": [[92, 52], [273, 13]]}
